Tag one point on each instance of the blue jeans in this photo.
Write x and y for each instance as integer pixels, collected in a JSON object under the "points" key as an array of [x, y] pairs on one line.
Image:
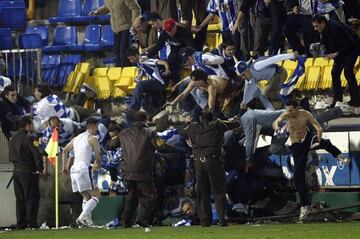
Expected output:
{"points": [[145, 90]]}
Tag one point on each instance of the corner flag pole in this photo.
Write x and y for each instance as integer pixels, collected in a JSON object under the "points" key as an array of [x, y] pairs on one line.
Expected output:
{"points": [[57, 192]]}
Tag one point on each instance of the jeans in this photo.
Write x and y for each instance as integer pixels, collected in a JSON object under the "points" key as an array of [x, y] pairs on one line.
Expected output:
{"points": [[146, 87], [122, 43]]}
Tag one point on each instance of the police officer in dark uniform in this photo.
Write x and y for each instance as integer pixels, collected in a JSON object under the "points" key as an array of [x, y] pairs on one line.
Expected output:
{"points": [[139, 143], [28, 165], [207, 138]]}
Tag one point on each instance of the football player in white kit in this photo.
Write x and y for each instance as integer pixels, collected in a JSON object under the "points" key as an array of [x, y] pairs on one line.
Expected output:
{"points": [[81, 175]]}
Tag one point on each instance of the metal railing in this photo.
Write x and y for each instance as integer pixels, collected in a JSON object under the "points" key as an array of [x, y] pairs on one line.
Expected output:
{"points": [[23, 67]]}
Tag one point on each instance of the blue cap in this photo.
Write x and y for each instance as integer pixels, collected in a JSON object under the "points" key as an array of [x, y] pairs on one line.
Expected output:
{"points": [[240, 67]]}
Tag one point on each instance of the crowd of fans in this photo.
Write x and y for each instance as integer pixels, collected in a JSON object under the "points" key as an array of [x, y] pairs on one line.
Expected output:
{"points": [[222, 85]]}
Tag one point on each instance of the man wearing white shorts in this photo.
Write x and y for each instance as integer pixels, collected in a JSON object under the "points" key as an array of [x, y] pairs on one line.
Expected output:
{"points": [[84, 145]]}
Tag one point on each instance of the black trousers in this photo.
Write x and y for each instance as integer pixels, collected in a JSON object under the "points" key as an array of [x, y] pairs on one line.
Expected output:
{"points": [[27, 194], [347, 64], [142, 192], [122, 43], [292, 26], [278, 15], [300, 153], [210, 178]]}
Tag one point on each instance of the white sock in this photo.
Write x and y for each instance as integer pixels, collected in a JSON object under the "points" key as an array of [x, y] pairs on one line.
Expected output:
{"points": [[273, 60], [83, 204], [89, 207]]}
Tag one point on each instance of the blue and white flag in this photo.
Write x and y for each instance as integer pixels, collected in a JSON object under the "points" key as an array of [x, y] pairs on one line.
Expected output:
{"points": [[289, 86]]}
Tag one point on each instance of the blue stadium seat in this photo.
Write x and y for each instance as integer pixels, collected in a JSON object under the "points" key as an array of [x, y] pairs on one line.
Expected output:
{"points": [[6, 42], [43, 31], [107, 38], [109, 60], [92, 38], [50, 67], [13, 18], [63, 37], [63, 73], [68, 9], [30, 41], [72, 59], [87, 7], [91, 41]]}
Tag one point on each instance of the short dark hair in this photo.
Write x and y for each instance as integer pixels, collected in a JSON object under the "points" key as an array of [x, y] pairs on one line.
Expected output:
{"points": [[319, 18], [8, 89], [91, 121], [115, 128], [139, 117], [132, 51], [207, 115], [153, 16], [25, 120], [226, 43], [292, 102], [198, 75], [52, 118], [44, 90], [189, 201]]}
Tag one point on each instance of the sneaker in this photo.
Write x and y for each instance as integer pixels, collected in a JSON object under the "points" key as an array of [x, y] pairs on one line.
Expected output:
{"points": [[89, 222], [343, 160], [81, 222], [345, 108], [304, 211]]}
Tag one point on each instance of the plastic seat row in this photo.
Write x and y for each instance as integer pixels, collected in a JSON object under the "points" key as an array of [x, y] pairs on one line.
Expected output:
{"points": [[97, 38], [55, 69], [71, 11], [319, 78]]}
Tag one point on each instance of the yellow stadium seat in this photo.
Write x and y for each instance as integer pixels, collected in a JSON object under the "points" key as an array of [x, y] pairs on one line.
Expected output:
{"points": [[83, 68], [313, 77], [117, 92], [114, 73], [101, 71], [343, 80], [357, 62], [320, 61], [212, 40], [358, 77], [309, 62], [289, 73], [215, 24], [103, 87], [127, 78], [301, 81], [331, 62], [326, 79], [288, 64], [77, 82]]}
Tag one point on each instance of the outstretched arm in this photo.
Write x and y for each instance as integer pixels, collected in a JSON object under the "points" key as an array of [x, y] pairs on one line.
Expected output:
{"points": [[279, 120], [273, 60]]}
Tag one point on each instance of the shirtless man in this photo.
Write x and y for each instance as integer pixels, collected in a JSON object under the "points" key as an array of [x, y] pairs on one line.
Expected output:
{"points": [[302, 140], [218, 88]]}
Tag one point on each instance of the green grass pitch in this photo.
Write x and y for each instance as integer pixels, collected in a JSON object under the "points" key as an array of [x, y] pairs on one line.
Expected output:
{"points": [[256, 231]]}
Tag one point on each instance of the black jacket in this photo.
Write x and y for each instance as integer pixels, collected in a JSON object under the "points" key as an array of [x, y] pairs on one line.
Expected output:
{"points": [[338, 37], [24, 152], [182, 38], [10, 112], [207, 137], [139, 144]]}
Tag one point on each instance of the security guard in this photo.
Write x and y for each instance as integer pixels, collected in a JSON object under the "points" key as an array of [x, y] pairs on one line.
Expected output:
{"points": [[139, 143], [28, 165], [206, 139]]}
